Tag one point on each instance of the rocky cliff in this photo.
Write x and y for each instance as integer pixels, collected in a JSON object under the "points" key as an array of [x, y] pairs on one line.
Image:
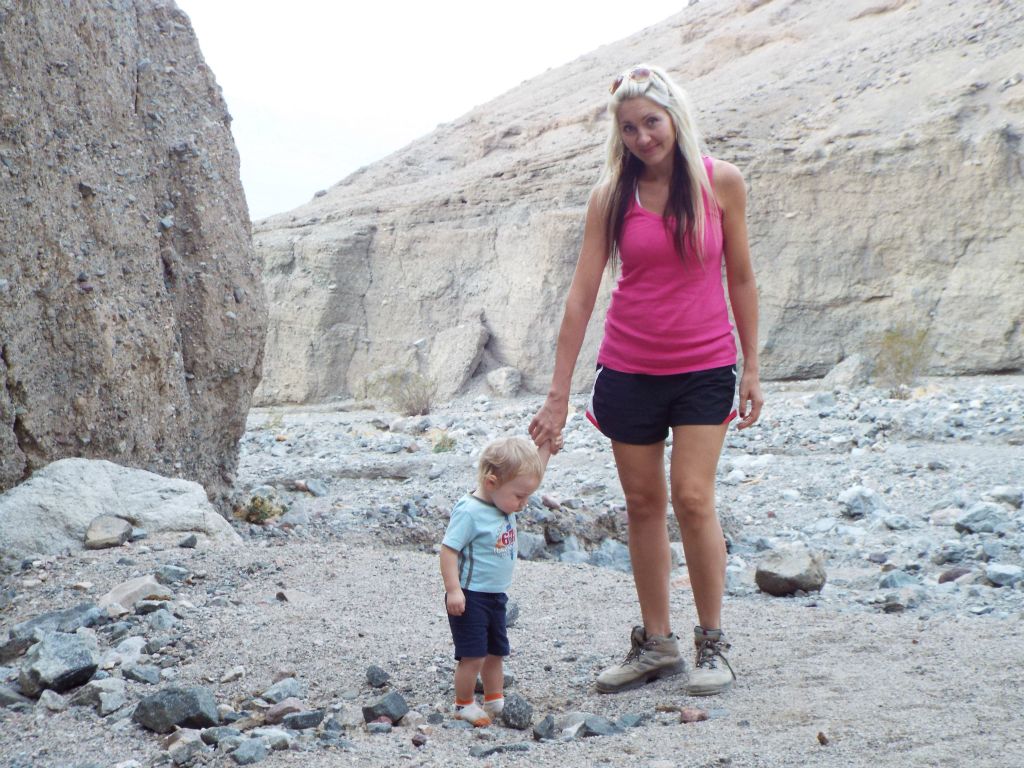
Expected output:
{"points": [[881, 141], [132, 316]]}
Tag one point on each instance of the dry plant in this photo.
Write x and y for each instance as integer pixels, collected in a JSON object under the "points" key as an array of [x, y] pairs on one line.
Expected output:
{"points": [[408, 392], [903, 354], [443, 442]]}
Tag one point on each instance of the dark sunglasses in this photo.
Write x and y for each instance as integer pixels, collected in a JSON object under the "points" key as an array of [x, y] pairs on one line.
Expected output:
{"points": [[637, 75]]}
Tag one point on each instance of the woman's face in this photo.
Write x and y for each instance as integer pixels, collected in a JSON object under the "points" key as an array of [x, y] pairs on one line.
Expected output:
{"points": [[647, 130]]}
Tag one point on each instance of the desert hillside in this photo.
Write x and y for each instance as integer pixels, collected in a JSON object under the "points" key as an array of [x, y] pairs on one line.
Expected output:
{"points": [[880, 142]]}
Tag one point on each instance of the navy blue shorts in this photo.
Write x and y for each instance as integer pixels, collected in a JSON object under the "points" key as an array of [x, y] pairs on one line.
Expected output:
{"points": [[480, 631], [640, 409]]}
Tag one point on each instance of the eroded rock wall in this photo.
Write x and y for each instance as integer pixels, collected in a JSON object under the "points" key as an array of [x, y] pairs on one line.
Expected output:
{"points": [[881, 143], [132, 315]]}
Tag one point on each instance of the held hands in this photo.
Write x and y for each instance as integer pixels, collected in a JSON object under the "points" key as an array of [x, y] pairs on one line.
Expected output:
{"points": [[546, 427], [751, 400], [455, 602]]}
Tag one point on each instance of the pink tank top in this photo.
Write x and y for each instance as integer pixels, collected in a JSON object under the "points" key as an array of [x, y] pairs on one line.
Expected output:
{"points": [[667, 314]]}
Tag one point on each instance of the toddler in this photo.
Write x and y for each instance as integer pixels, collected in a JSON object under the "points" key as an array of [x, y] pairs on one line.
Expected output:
{"points": [[478, 554]]}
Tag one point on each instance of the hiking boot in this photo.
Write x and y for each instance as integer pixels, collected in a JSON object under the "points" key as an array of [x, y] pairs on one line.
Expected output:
{"points": [[473, 713], [711, 672], [650, 658]]}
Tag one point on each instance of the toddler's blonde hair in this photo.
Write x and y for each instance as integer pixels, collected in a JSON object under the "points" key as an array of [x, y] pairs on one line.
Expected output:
{"points": [[508, 458]]}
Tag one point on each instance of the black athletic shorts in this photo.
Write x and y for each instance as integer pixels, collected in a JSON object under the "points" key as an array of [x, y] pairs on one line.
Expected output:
{"points": [[640, 409]]}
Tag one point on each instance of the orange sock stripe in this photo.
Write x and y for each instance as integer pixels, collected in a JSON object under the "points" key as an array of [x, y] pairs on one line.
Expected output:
{"points": [[463, 703], [494, 696]]}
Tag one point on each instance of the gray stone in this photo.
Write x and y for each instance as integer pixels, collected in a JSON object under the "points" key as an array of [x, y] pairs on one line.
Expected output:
{"points": [[1003, 574], [23, 634], [128, 593], [1008, 494], [517, 712], [171, 574], [377, 677], [9, 696], [287, 688], [786, 570], [105, 696], [317, 487], [182, 707], [896, 579], [532, 546], [144, 673], [214, 735], [852, 371], [250, 751], [107, 531], [54, 702], [392, 706], [859, 501], [983, 517], [595, 725], [482, 750], [505, 381], [299, 721], [58, 662], [545, 729]]}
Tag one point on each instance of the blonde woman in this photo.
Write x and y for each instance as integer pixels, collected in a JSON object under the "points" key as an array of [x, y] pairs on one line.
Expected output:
{"points": [[665, 218]]}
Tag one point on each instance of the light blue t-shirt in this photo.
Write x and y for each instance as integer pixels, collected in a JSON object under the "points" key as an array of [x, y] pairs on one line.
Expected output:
{"points": [[485, 538]]}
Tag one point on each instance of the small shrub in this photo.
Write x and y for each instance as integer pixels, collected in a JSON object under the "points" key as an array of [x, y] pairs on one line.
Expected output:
{"points": [[444, 443], [409, 393], [903, 355], [274, 421], [260, 509]]}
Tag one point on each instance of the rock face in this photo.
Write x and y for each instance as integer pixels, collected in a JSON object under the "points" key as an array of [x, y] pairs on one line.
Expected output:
{"points": [[880, 142], [132, 317]]}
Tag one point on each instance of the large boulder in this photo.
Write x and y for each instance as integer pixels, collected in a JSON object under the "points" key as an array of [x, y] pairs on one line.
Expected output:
{"points": [[886, 200], [132, 316], [51, 512]]}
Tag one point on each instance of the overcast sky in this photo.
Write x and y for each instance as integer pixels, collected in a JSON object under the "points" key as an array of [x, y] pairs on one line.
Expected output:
{"points": [[319, 88]]}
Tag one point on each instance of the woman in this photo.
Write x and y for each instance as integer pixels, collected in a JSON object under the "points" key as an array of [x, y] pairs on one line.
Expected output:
{"points": [[666, 218]]}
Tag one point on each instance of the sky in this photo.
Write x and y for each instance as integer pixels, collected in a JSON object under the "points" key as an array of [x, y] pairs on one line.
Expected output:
{"points": [[320, 88]]}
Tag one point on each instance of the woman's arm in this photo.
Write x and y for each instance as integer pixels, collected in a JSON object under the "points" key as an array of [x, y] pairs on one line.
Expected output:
{"points": [[731, 192], [547, 425]]}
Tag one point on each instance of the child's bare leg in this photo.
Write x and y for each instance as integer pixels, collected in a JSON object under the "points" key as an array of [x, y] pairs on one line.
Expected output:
{"points": [[493, 675], [466, 673]]}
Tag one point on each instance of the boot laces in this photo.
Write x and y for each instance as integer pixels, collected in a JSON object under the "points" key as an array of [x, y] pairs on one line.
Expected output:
{"points": [[709, 652], [637, 649]]}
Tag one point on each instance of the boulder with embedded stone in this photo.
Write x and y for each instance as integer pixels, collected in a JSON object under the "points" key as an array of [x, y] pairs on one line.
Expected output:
{"points": [[51, 512]]}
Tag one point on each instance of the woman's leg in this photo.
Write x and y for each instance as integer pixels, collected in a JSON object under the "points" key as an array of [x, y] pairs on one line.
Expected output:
{"points": [[642, 475], [654, 651], [695, 452]]}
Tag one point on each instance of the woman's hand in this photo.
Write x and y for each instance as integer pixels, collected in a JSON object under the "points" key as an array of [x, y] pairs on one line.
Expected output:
{"points": [[546, 427], [751, 400]]}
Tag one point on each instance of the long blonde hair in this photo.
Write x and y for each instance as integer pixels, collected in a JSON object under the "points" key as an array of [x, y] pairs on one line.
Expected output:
{"points": [[689, 183]]}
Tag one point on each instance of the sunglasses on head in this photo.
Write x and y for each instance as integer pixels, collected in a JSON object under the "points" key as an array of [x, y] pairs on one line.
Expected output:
{"points": [[637, 75]]}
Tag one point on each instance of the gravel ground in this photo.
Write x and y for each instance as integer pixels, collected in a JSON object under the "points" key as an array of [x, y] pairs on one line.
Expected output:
{"points": [[355, 582]]}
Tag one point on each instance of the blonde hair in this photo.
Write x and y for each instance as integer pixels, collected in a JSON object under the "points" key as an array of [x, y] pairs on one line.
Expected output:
{"points": [[508, 458], [689, 183]]}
